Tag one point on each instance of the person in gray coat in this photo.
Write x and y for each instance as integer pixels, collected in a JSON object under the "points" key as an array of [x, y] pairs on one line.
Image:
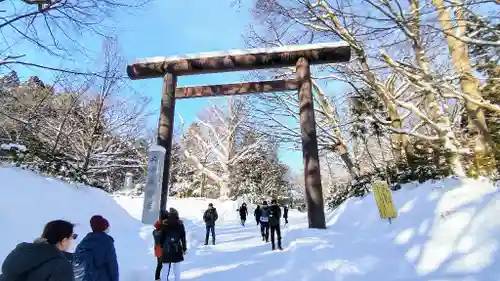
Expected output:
{"points": [[45, 258]]}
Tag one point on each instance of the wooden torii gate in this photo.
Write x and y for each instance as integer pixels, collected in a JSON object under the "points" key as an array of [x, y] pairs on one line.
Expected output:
{"points": [[300, 56]]}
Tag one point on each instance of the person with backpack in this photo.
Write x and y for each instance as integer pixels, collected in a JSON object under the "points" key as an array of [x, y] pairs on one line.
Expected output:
{"points": [[264, 221], [257, 214], [243, 213], [95, 257], [285, 213], [45, 258], [157, 244], [274, 223], [210, 217], [173, 241]]}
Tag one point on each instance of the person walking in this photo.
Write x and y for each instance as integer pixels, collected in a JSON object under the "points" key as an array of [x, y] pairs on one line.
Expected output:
{"points": [[210, 217], [173, 241], [157, 244], [243, 213], [95, 256], [45, 258], [264, 221], [274, 223], [257, 214], [285, 213]]}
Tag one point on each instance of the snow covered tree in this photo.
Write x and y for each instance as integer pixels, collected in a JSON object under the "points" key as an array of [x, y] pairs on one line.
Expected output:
{"points": [[262, 176], [77, 130], [421, 89], [214, 144]]}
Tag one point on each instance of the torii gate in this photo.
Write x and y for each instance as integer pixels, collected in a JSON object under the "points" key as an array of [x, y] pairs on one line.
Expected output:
{"points": [[237, 60]]}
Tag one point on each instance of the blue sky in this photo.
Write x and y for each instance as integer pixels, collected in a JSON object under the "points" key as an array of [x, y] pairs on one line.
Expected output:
{"points": [[166, 28]]}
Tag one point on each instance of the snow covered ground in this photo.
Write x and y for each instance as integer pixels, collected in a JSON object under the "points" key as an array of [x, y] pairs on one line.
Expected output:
{"points": [[446, 230]]}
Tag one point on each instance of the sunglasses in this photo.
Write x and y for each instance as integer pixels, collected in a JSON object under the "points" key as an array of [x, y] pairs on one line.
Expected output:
{"points": [[74, 236]]}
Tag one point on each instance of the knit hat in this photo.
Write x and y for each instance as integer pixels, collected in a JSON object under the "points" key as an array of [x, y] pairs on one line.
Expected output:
{"points": [[173, 213], [99, 224]]}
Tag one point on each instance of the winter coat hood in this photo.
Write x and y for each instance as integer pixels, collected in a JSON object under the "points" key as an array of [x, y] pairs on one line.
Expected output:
{"points": [[96, 242], [29, 257]]}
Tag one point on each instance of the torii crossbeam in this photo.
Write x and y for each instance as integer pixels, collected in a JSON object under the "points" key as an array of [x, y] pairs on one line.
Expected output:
{"points": [[300, 56]]}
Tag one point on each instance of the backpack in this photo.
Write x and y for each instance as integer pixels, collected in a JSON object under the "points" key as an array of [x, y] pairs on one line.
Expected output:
{"points": [[171, 244], [264, 214], [157, 241]]}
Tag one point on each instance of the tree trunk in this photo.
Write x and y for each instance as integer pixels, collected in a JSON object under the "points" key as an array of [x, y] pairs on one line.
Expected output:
{"points": [[482, 142], [446, 134], [340, 146]]}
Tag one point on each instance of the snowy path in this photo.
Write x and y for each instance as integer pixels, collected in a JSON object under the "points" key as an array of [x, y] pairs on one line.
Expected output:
{"points": [[239, 252]]}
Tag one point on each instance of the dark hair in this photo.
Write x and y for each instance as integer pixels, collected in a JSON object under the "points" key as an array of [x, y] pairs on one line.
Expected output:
{"points": [[164, 215], [173, 213], [55, 231]]}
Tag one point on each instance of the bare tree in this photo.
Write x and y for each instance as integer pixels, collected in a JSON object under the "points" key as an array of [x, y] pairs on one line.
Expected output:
{"points": [[54, 27], [213, 147], [110, 122]]}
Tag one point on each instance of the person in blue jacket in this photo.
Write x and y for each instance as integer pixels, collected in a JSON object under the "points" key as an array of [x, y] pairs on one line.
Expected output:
{"points": [[95, 257]]}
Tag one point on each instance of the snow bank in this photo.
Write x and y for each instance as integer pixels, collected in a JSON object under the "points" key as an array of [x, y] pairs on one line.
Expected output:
{"points": [[446, 230], [30, 200]]}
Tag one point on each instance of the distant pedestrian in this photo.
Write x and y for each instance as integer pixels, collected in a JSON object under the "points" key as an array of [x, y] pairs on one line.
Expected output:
{"points": [[274, 223], [95, 256], [173, 241], [243, 213], [257, 214], [157, 244], [45, 258], [210, 217], [285, 214], [264, 221]]}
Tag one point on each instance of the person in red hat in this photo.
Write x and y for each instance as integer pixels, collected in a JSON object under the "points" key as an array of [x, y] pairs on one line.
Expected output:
{"points": [[95, 257], [157, 243]]}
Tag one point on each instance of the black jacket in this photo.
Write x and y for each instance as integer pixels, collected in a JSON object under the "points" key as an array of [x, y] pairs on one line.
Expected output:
{"points": [[274, 215], [285, 212], [257, 213], [169, 228], [36, 261], [210, 216], [243, 211]]}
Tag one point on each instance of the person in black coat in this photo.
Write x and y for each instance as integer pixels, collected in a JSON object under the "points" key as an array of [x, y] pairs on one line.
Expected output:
{"points": [[243, 213], [173, 241], [274, 223], [285, 214], [257, 213], [95, 256], [45, 258], [210, 217]]}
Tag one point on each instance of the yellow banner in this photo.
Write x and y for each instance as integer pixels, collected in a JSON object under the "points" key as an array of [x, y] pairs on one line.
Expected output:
{"points": [[383, 197]]}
